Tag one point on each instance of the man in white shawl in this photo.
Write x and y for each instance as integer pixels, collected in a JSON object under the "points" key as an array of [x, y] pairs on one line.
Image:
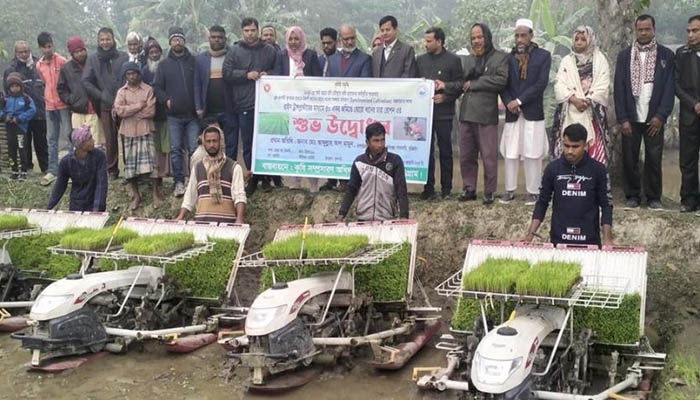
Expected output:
{"points": [[581, 91]]}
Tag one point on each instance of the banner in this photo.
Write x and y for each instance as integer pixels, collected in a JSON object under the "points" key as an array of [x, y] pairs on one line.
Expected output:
{"points": [[315, 127]]}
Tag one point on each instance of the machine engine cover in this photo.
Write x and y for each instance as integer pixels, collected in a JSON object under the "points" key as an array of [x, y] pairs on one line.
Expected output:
{"points": [[294, 338], [78, 329]]}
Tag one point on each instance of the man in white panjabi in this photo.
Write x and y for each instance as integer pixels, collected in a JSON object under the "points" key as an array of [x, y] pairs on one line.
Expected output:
{"points": [[524, 137]]}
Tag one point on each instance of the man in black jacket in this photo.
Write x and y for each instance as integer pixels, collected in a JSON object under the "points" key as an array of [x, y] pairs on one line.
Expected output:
{"points": [[445, 69], [102, 78], [174, 88], [579, 187], [246, 61], [25, 64], [84, 110], [687, 77], [643, 94]]}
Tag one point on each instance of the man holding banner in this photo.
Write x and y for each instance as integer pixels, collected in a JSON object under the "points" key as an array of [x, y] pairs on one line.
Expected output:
{"points": [[378, 180]]}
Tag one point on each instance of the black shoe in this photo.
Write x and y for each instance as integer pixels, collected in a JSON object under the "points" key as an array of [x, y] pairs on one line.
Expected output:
{"points": [[251, 187], [631, 203], [487, 199], [507, 197], [655, 205], [327, 186], [688, 209], [266, 187], [277, 181], [467, 195], [428, 195], [445, 194]]}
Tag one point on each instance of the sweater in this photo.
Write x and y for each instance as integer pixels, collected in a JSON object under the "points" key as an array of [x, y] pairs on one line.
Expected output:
{"points": [[241, 59], [175, 82], [88, 182], [446, 67], [579, 194]]}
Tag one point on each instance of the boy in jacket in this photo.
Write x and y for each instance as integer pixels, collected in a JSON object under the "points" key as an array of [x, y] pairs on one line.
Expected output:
{"points": [[17, 111], [580, 189], [378, 180]]}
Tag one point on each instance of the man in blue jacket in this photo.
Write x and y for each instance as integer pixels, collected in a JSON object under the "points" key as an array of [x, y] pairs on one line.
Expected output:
{"points": [[174, 88], [524, 135], [212, 96], [643, 101], [579, 188]]}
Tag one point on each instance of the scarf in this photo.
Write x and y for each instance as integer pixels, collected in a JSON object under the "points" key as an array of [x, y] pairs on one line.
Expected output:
{"points": [[586, 56], [218, 53], [106, 55], [480, 66], [296, 56], [213, 165], [523, 58], [642, 74]]}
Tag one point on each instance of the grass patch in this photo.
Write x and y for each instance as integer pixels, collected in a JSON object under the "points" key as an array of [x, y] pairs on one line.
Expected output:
{"points": [[207, 274], [315, 246], [273, 123], [30, 253], [619, 325], [548, 278], [385, 281], [13, 222], [96, 239], [495, 275], [160, 244]]}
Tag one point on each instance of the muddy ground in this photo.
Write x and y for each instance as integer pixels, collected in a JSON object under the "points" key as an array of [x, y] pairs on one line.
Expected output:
{"points": [[445, 227]]}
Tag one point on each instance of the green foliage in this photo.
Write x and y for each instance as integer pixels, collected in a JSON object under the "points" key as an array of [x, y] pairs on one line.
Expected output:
{"points": [[96, 239], [468, 310], [206, 275], [315, 246], [385, 281], [619, 325], [495, 275], [30, 253], [273, 123], [12, 222], [160, 244], [548, 278]]}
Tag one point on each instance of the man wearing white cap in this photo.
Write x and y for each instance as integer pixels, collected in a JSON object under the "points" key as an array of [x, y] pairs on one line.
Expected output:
{"points": [[524, 134]]}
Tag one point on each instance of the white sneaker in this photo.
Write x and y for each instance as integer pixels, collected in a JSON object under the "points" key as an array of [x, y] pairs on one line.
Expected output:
{"points": [[48, 179], [179, 189]]}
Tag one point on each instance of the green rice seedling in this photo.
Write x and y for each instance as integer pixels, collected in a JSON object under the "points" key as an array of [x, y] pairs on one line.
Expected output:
{"points": [[13, 222], [619, 326], [385, 281], [206, 275], [315, 246], [549, 278], [273, 124], [495, 275], [159, 244], [30, 253], [96, 239], [468, 310]]}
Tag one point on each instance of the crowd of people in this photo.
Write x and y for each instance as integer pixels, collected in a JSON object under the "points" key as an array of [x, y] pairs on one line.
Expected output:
{"points": [[181, 114]]}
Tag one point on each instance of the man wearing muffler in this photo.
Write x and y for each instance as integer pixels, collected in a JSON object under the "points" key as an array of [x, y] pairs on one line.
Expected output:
{"points": [[579, 187]]}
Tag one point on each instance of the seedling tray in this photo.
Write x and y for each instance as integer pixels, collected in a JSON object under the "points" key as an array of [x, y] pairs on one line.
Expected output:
{"points": [[370, 255], [29, 231], [119, 254]]}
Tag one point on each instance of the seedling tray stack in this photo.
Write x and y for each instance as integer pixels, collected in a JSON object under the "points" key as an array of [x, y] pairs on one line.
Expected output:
{"points": [[384, 240], [608, 276]]}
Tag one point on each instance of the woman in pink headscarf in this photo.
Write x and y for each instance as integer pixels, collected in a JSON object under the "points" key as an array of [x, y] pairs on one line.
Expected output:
{"points": [[296, 61]]}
